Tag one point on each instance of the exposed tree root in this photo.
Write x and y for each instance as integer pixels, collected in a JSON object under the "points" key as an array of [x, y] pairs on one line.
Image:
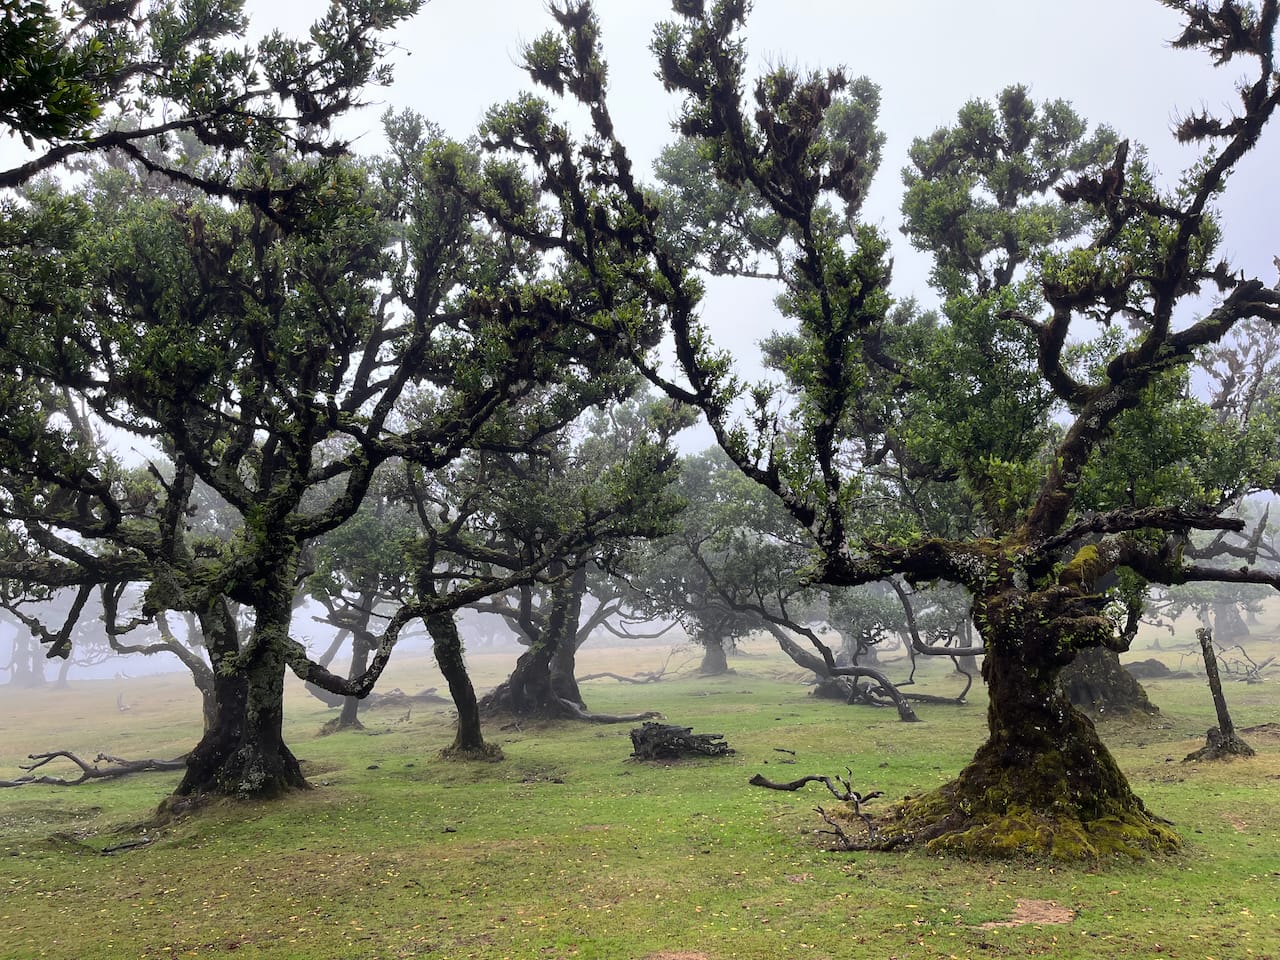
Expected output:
{"points": [[1219, 747], [88, 770]]}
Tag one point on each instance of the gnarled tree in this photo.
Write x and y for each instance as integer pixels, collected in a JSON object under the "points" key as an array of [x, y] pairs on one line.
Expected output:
{"points": [[1062, 237]]}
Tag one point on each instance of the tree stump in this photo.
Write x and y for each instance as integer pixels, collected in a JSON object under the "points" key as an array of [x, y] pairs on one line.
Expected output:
{"points": [[665, 741]]}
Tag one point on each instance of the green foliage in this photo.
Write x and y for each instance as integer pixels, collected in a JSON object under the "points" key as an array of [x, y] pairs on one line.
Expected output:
{"points": [[49, 89], [978, 193]]}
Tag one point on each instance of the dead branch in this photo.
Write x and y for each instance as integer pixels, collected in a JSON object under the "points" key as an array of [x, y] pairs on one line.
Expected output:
{"points": [[638, 678], [88, 771], [846, 842], [846, 794]]}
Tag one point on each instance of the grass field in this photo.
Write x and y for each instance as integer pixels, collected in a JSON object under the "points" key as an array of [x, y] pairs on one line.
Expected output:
{"points": [[569, 849]]}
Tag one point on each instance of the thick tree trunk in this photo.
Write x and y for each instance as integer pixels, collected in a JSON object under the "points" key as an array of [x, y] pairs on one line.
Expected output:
{"points": [[714, 661], [564, 660], [1043, 783], [1096, 682], [528, 691], [243, 754], [1228, 625], [564, 664], [28, 661], [468, 740]]}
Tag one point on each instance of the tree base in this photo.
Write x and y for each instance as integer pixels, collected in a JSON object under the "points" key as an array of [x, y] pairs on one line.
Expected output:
{"points": [[487, 752], [337, 725], [1051, 790], [1218, 747], [250, 772], [943, 822]]}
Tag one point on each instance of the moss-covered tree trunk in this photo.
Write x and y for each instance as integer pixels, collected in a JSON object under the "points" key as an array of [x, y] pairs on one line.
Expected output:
{"points": [[1043, 783], [243, 753]]}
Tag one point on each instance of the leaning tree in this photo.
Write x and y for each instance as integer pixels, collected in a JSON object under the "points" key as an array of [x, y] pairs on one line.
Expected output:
{"points": [[1079, 334]]}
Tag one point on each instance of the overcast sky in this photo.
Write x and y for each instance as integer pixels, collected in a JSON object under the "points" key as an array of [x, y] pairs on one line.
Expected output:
{"points": [[1110, 58]]}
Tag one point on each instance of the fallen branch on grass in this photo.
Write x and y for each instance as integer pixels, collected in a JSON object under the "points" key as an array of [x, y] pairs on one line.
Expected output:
{"points": [[88, 770], [845, 793]]}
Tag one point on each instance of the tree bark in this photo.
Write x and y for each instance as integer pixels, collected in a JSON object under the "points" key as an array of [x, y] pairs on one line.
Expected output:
{"points": [[243, 753], [1221, 742], [530, 691], [564, 658], [1096, 682], [715, 663], [1043, 783], [349, 717]]}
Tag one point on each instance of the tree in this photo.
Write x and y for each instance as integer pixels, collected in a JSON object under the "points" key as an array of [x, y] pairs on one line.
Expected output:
{"points": [[692, 574], [591, 487], [129, 76], [999, 405], [270, 364]]}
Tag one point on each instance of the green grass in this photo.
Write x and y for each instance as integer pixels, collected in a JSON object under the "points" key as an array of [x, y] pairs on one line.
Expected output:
{"points": [[569, 849]]}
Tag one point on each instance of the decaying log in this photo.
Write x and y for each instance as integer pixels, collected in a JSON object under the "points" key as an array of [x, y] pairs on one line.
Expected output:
{"points": [[88, 770], [665, 741]]}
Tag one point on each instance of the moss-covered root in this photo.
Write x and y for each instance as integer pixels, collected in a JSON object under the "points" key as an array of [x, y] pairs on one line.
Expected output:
{"points": [[943, 822]]}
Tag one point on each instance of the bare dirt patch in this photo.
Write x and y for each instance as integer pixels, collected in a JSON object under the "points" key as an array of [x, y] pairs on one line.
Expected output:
{"points": [[1034, 912]]}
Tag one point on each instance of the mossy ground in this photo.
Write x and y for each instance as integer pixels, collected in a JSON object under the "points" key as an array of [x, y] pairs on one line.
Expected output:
{"points": [[567, 848]]}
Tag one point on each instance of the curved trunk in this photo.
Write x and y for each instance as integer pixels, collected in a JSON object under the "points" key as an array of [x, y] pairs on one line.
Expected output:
{"points": [[243, 753], [530, 691], [1043, 783], [468, 740]]}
